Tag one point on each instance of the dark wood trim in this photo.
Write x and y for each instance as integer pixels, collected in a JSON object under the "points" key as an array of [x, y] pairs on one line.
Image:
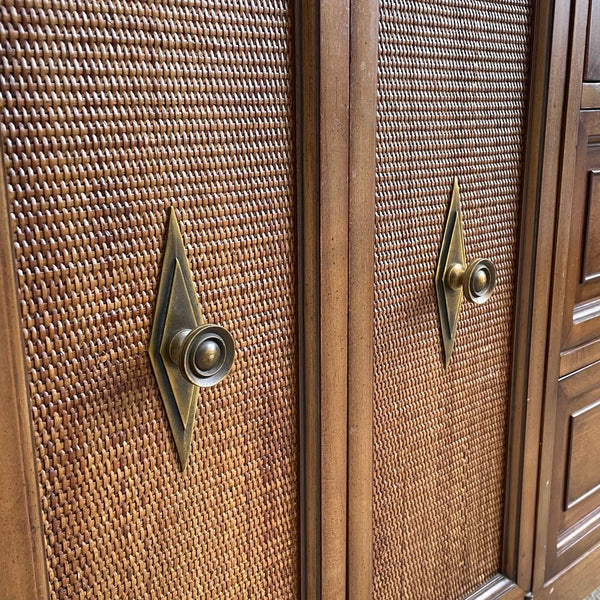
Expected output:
{"points": [[591, 70], [22, 560], [573, 358], [570, 54], [307, 144], [364, 23], [540, 186], [580, 303]]}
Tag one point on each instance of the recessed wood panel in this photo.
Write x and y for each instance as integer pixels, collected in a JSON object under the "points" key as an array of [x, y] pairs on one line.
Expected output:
{"points": [[592, 60], [591, 249], [575, 487], [581, 322], [583, 458]]}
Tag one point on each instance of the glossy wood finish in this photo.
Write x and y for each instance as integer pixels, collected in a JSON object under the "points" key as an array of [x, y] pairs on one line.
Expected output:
{"points": [[565, 513], [498, 587], [576, 582], [581, 324], [574, 526], [584, 354], [591, 252], [539, 212], [22, 560], [569, 21], [583, 449]]}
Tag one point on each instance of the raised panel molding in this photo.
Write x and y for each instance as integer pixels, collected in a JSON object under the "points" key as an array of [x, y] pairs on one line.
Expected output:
{"points": [[581, 324], [592, 59], [591, 247], [575, 504], [583, 464]]}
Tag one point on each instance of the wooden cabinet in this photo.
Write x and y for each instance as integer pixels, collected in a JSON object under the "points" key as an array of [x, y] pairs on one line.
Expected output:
{"points": [[575, 501], [308, 149], [111, 114]]}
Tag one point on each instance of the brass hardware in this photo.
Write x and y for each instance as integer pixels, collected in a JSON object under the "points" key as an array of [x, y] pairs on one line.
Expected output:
{"points": [[186, 353], [477, 281], [204, 354], [454, 277]]}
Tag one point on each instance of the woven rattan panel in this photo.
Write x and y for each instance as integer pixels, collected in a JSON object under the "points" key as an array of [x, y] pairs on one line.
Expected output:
{"points": [[451, 101], [112, 111]]}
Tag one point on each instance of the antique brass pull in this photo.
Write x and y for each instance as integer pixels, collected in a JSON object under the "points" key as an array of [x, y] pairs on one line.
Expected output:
{"points": [[477, 280], [186, 352], [204, 354], [455, 278]]}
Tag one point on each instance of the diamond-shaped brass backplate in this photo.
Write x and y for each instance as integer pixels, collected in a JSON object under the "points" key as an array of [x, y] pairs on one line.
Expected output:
{"points": [[176, 308], [451, 252]]}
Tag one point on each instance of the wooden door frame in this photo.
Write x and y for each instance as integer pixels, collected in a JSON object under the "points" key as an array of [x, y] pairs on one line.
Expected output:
{"points": [[336, 56], [534, 286], [322, 129]]}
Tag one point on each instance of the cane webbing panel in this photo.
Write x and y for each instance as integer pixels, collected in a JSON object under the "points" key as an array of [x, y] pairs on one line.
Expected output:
{"points": [[451, 101], [112, 111]]}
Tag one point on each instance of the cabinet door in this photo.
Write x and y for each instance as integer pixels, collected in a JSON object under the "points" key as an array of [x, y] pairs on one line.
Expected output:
{"points": [[113, 112], [452, 81], [484, 481]]}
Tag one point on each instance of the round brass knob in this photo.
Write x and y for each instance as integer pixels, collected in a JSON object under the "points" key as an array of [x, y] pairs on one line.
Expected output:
{"points": [[207, 355], [204, 354], [478, 280]]}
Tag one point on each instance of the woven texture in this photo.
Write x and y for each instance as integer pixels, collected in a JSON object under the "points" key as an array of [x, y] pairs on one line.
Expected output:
{"points": [[451, 102], [112, 111]]}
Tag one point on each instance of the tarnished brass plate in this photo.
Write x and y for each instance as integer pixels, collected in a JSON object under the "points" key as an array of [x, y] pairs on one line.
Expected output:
{"points": [[176, 308], [452, 252]]}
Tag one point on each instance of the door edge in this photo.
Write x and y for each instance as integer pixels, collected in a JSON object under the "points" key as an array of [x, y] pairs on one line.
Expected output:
{"points": [[22, 560]]}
